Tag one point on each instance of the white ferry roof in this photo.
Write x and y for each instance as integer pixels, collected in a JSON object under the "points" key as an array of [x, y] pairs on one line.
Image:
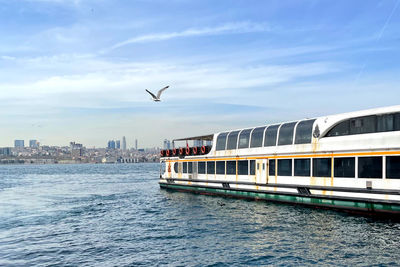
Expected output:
{"points": [[329, 120]]}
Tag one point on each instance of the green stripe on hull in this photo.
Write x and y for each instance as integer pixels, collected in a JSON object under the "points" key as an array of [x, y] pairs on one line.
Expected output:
{"points": [[333, 203]]}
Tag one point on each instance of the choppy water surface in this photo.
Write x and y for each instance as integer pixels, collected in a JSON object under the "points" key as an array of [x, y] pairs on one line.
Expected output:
{"points": [[116, 215]]}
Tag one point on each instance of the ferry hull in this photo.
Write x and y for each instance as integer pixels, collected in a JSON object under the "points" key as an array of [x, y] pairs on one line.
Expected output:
{"points": [[355, 206]]}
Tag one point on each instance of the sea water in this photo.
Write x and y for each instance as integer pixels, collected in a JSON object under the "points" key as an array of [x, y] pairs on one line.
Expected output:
{"points": [[116, 215]]}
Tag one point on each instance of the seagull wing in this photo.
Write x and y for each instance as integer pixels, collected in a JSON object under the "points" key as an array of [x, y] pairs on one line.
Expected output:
{"points": [[161, 90], [151, 94]]}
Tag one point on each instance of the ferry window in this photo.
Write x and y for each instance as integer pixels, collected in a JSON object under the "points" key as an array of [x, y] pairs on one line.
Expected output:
{"points": [[385, 122], [344, 167], [243, 167], [363, 125], [231, 167], [302, 167], [393, 167], [201, 167], [284, 167], [211, 167], [272, 167], [257, 137], [252, 167], [397, 121], [304, 132], [190, 167], [270, 135], [185, 167], [322, 167], [221, 141], [176, 167], [244, 138], [220, 167], [370, 167], [342, 128], [286, 134], [232, 140]]}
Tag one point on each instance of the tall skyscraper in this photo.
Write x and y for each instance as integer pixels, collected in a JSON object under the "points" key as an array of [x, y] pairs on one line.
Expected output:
{"points": [[167, 144], [118, 144], [111, 144], [123, 143], [19, 143], [136, 144], [33, 143]]}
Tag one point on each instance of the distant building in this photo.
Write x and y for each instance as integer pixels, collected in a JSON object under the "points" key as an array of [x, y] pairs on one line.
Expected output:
{"points": [[77, 150], [167, 144], [136, 144], [111, 144], [123, 143], [6, 151], [118, 144], [33, 143], [19, 143]]}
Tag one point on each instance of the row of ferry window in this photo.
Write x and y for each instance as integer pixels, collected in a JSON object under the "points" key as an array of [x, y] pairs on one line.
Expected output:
{"points": [[345, 167], [367, 124], [267, 136]]}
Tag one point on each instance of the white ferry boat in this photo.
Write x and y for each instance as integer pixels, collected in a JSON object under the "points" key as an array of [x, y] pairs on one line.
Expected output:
{"points": [[347, 161]]}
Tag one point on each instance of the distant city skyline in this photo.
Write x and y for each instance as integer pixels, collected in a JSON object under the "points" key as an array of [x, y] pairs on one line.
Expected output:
{"points": [[78, 70]]}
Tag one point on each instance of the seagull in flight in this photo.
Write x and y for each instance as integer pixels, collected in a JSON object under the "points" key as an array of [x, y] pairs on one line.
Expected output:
{"points": [[157, 98]]}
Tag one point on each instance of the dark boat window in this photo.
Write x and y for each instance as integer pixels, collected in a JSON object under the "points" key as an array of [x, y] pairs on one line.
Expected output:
{"points": [[244, 138], [243, 167], [232, 140], [397, 121], [220, 167], [185, 167], [342, 128], [322, 167], [221, 141], [370, 167], [211, 167], [284, 167], [302, 167], [201, 167], [231, 167], [286, 134], [304, 132], [271, 167], [385, 123], [363, 125], [393, 167], [190, 167], [344, 167], [176, 167], [270, 135], [257, 137], [252, 167]]}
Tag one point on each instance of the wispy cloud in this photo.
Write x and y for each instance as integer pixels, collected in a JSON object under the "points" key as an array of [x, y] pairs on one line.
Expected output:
{"points": [[228, 28]]}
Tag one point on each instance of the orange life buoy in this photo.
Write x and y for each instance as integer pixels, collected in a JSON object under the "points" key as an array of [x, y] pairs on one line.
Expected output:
{"points": [[195, 150], [203, 149], [187, 151], [162, 153], [167, 152], [174, 151], [181, 151]]}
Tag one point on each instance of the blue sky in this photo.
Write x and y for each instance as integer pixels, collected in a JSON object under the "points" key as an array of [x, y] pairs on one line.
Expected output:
{"points": [[76, 70]]}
